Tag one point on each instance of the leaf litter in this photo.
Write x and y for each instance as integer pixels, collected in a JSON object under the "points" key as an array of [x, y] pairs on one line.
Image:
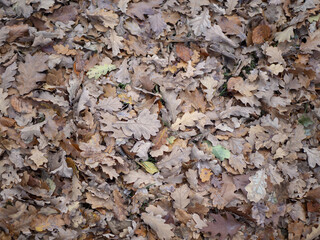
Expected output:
{"points": [[163, 119]]}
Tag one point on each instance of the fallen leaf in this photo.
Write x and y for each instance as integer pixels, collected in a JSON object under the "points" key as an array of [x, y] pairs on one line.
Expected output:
{"points": [[285, 35], [99, 70], [146, 125], [200, 23], [30, 72], [180, 197], [223, 226], [158, 225], [183, 52], [220, 152], [260, 34], [187, 120], [257, 187], [313, 156], [205, 174]]}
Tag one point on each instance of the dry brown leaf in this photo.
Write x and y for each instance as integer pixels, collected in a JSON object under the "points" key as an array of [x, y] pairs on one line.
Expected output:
{"points": [[30, 72], [38, 157], [59, 48], [260, 34], [183, 52], [42, 222], [180, 197], [119, 208], [205, 174], [187, 120], [160, 139], [158, 225]]}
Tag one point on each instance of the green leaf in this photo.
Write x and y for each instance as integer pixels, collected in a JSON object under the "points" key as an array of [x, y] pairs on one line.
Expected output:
{"points": [[220, 152], [314, 18], [149, 167], [99, 70], [171, 139], [305, 121]]}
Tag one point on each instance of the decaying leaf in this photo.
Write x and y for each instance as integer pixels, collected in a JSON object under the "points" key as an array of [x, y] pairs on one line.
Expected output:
{"points": [[145, 125], [38, 157], [285, 35], [187, 120], [99, 70], [220, 152], [313, 156], [4, 102], [260, 34], [201, 23], [31, 72], [257, 187], [180, 196], [222, 226], [158, 224], [205, 174]]}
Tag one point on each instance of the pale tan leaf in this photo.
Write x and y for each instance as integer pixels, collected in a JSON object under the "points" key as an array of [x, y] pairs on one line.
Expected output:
{"points": [[158, 225], [4, 102], [195, 5], [114, 42], [38, 157], [199, 222], [110, 104], [30, 72], [313, 156], [145, 125], [187, 120], [275, 55], [180, 197], [257, 187], [140, 178], [176, 158], [238, 163], [210, 86], [200, 23]]}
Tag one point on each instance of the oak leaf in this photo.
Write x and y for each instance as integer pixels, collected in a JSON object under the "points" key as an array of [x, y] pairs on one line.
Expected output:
{"points": [[30, 72], [180, 197], [195, 5], [158, 224], [257, 187], [313, 156], [108, 18], [223, 226], [59, 48], [200, 23], [157, 23], [260, 34], [42, 222], [8, 76], [146, 125], [114, 42], [205, 174], [4, 102], [285, 35], [183, 52], [143, 8], [187, 120], [38, 157], [110, 104]]}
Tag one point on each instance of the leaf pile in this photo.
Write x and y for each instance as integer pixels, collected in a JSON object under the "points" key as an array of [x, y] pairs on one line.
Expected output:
{"points": [[159, 119]]}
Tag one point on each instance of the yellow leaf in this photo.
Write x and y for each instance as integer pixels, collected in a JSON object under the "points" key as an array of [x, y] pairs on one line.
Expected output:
{"points": [[205, 174], [124, 98], [149, 167]]}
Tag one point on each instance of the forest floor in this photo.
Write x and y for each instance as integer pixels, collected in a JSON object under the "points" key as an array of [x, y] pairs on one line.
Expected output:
{"points": [[128, 119]]}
